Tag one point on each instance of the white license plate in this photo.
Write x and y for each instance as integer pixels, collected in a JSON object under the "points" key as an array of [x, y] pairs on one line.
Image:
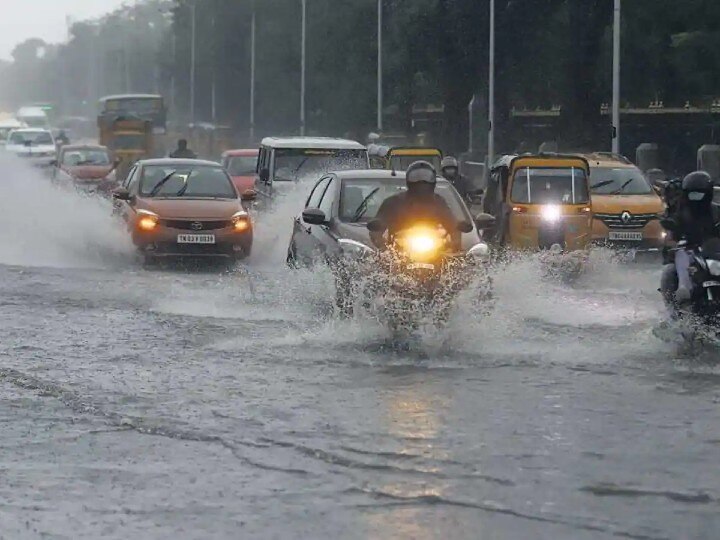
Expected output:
{"points": [[709, 284], [196, 238], [626, 235], [421, 266]]}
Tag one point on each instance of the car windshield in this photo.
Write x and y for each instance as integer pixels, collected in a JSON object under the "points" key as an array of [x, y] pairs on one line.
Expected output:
{"points": [[401, 163], [625, 181], [374, 191], [295, 164], [86, 156], [33, 137], [241, 165], [181, 180], [550, 186]]}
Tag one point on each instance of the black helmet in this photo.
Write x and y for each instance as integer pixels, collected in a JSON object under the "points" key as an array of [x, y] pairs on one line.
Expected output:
{"points": [[421, 172], [697, 186]]}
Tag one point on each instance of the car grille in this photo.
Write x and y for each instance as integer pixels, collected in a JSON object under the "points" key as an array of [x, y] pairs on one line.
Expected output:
{"points": [[636, 221], [196, 225]]}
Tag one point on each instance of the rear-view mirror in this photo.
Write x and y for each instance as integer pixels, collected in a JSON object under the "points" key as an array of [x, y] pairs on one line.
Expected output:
{"points": [[484, 221], [248, 195], [376, 226], [121, 194], [465, 227], [314, 216]]}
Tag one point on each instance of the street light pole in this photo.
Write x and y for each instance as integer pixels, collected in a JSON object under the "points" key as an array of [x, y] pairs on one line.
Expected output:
{"points": [[616, 79], [302, 67], [252, 77], [380, 68], [491, 89], [193, 36], [213, 89]]}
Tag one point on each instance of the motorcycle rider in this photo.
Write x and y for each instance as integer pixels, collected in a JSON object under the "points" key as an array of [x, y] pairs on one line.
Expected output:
{"points": [[451, 172], [419, 204], [62, 139], [696, 220], [182, 151]]}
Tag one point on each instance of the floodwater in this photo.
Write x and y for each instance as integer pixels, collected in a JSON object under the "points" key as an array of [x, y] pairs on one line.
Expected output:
{"points": [[233, 404]]}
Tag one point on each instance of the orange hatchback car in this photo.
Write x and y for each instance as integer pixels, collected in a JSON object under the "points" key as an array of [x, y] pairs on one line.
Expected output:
{"points": [[184, 208]]}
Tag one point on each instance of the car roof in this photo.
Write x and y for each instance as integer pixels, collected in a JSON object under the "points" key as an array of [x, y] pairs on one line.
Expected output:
{"points": [[376, 174], [241, 152], [179, 161], [84, 147], [320, 143], [608, 159], [130, 96], [31, 130], [31, 110]]}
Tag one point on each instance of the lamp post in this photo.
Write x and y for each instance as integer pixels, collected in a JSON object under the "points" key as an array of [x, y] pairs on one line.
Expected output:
{"points": [[303, 67], [252, 76], [380, 67], [193, 36], [616, 79], [491, 89]]}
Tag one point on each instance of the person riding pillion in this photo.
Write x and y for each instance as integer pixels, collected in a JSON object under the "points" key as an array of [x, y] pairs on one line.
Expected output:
{"points": [[418, 205], [451, 172], [182, 151]]}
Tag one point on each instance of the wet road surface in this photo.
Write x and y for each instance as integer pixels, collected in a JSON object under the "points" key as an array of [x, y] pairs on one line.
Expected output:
{"points": [[216, 404]]}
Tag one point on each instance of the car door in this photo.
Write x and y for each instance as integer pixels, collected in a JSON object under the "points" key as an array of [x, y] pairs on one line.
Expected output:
{"points": [[303, 243]]}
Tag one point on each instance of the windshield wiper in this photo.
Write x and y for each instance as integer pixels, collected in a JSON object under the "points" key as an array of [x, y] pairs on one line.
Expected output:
{"points": [[183, 189], [154, 191], [622, 188], [601, 184], [360, 210]]}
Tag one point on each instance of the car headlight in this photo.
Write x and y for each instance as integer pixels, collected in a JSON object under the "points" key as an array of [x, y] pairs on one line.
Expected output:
{"points": [[353, 249], [147, 221], [240, 221], [713, 267], [550, 213], [480, 250]]}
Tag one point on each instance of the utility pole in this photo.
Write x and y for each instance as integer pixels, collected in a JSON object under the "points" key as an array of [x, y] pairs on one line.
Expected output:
{"points": [[193, 36], [491, 90], [616, 79], [252, 76], [380, 67], [213, 90], [303, 67]]}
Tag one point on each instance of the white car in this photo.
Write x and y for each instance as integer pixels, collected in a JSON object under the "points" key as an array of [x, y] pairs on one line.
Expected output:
{"points": [[36, 144]]}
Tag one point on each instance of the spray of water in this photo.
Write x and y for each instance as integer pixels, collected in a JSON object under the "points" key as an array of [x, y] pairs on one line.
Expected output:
{"points": [[42, 225]]}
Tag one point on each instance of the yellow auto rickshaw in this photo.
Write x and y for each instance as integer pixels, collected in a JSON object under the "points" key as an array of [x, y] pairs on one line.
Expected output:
{"points": [[399, 158], [540, 202]]}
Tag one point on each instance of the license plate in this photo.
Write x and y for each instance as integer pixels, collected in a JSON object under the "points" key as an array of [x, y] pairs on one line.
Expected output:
{"points": [[421, 266], [709, 284], [626, 235], [196, 238]]}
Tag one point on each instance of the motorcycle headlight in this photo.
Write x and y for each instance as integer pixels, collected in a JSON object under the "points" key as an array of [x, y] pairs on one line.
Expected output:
{"points": [[420, 243], [480, 250], [550, 213], [713, 267], [353, 249]]}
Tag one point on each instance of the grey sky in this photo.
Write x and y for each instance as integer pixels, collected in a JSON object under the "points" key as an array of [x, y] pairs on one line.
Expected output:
{"points": [[23, 19]]}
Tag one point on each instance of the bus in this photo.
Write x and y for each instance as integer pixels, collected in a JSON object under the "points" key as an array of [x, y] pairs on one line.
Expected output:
{"points": [[149, 107]]}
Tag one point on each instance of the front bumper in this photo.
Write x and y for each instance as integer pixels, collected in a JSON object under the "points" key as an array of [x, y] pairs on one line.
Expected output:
{"points": [[653, 237], [163, 242]]}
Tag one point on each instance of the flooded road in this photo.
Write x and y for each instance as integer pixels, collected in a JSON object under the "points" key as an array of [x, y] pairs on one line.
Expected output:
{"points": [[216, 404]]}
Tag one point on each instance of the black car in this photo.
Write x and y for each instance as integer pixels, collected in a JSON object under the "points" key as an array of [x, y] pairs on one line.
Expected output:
{"points": [[330, 226]]}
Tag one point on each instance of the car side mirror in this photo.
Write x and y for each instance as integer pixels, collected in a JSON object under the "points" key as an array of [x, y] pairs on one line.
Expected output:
{"points": [[121, 194], [265, 175], [668, 224], [314, 216], [484, 221], [465, 227], [248, 195], [376, 226]]}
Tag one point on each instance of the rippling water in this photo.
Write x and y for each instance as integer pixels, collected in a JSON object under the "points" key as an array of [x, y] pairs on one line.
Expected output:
{"points": [[215, 404]]}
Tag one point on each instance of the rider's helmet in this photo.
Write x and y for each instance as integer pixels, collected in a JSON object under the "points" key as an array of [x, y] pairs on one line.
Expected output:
{"points": [[698, 187], [449, 166], [421, 177]]}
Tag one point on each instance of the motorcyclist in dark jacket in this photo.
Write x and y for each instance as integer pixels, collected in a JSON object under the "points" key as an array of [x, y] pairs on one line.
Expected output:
{"points": [[182, 151], [696, 220], [451, 172], [419, 204]]}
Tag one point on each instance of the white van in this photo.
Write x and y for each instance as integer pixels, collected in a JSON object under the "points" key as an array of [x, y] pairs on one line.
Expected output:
{"points": [[34, 117], [6, 126]]}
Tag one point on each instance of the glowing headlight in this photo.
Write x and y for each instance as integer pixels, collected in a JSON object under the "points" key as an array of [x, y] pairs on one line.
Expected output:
{"points": [[353, 248], [147, 221], [713, 267], [550, 213], [479, 250], [241, 222]]}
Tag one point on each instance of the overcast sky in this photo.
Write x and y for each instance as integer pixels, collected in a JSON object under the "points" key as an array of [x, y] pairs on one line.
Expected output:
{"points": [[23, 19]]}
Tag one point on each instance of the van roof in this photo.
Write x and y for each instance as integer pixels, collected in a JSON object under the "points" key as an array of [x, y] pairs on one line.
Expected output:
{"points": [[130, 96], [320, 143], [31, 111]]}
